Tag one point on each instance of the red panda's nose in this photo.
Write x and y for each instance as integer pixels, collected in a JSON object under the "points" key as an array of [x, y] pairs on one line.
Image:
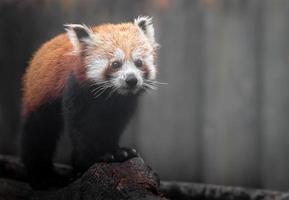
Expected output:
{"points": [[131, 80]]}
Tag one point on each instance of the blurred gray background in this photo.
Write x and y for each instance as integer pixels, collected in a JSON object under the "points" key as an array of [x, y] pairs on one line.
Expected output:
{"points": [[223, 118]]}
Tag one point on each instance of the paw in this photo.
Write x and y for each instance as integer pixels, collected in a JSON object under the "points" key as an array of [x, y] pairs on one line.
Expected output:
{"points": [[119, 155], [123, 154]]}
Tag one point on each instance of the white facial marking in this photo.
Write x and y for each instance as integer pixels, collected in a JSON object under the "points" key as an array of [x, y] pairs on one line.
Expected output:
{"points": [[130, 68], [120, 77], [148, 59], [96, 67], [119, 54], [137, 54]]}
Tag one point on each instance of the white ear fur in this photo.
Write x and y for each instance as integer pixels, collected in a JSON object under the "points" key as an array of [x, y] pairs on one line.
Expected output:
{"points": [[79, 33], [146, 25]]}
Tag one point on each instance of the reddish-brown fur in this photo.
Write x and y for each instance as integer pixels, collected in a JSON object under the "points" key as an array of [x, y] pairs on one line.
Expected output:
{"points": [[49, 68], [46, 75]]}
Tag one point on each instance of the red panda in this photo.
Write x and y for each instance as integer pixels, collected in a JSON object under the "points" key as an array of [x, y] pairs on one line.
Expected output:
{"points": [[86, 82]]}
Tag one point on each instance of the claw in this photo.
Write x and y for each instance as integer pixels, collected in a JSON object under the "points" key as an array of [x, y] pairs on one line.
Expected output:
{"points": [[119, 155], [133, 151]]}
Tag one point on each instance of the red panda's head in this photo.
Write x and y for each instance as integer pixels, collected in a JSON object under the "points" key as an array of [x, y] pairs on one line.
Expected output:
{"points": [[119, 56]]}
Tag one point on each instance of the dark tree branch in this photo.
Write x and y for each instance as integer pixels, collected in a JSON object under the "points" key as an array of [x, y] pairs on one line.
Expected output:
{"points": [[190, 191], [129, 180]]}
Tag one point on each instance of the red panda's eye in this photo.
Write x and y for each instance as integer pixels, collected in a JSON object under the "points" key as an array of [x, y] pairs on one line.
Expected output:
{"points": [[138, 63], [116, 64]]}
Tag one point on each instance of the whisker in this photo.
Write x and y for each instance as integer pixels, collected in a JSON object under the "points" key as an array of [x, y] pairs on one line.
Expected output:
{"points": [[98, 83], [150, 86], [100, 87], [156, 82], [99, 90], [112, 91], [102, 91]]}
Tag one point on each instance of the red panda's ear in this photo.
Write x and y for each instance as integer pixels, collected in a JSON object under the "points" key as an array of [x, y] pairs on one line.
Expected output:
{"points": [[79, 34], [146, 25]]}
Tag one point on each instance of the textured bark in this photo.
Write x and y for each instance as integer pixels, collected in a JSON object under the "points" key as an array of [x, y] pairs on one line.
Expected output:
{"points": [[195, 191], [128, 180]]}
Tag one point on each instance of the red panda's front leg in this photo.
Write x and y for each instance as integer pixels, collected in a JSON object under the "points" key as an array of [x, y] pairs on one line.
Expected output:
{"points": [[95, 124]]}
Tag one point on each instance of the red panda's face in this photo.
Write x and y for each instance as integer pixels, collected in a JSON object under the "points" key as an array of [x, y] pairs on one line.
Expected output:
{"points": [[120, 56]]}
